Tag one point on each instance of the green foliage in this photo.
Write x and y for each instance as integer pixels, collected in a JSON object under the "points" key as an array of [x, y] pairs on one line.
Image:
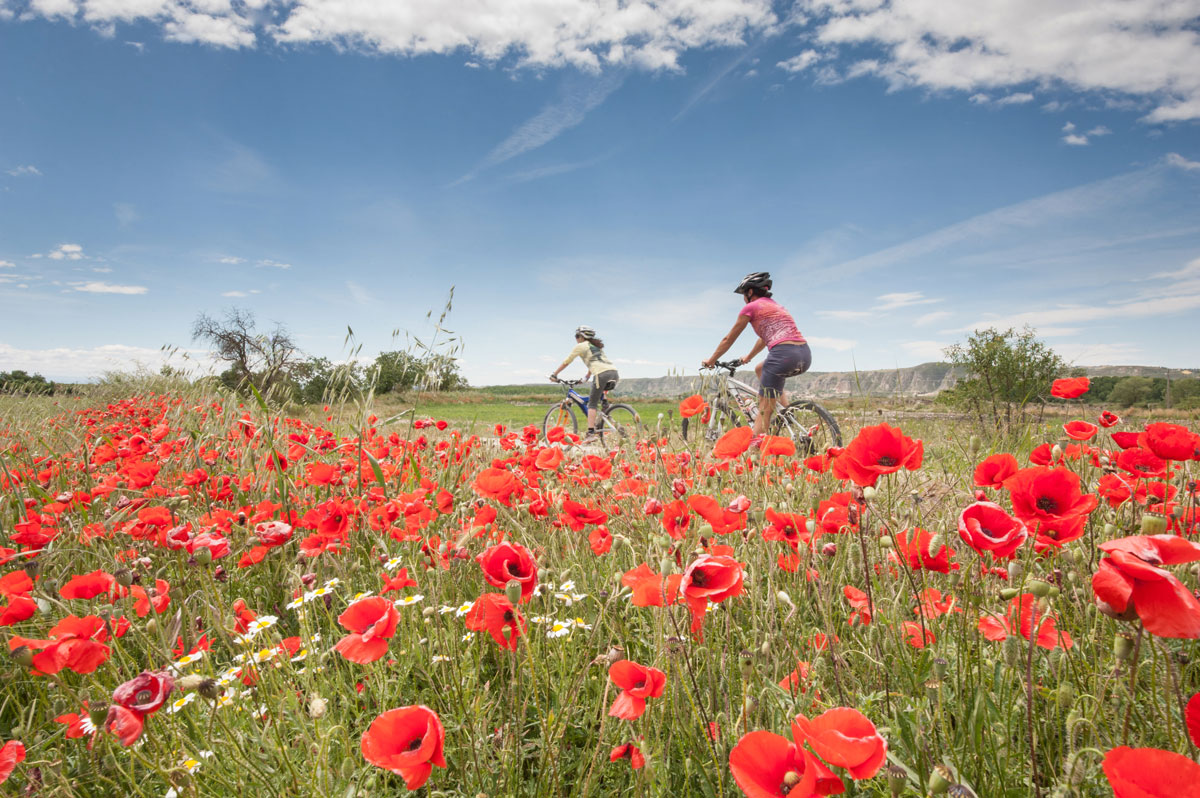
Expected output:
{"points": [[20, 382], [402, 371], [1005, 373]]}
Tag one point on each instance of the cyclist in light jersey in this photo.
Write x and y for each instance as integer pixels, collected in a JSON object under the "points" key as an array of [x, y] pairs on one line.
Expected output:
{"points": [[787, 351], [590, 350]]}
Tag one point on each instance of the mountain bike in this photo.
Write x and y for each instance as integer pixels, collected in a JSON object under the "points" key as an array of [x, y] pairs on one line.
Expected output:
{"points": [[733, 403], [618, 421]]}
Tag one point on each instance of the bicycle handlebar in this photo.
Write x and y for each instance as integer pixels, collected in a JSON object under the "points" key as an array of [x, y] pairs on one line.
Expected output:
{"points": [[729, 365], [567, 382]]}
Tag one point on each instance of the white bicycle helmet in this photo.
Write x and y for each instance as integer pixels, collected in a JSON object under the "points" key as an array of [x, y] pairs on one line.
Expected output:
{"points": [[585, 331], [759, 280]]}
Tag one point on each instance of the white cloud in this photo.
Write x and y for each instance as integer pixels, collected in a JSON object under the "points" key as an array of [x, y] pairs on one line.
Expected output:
{"points": [[1017, 98], [7, 264], [94, 287], [932, 318], [126, 213], [588, 34], [82, 364], [925, 350], [235, 293], [359, 294], [903, 300], [1075, 140], [1177, 160], [1068, 127], [553, 120], [231, 260], [267, 263], [800, 62], [836, 344], [1143, 49], [23, 171], [846, 315], [1099, 130], [64, 252]]}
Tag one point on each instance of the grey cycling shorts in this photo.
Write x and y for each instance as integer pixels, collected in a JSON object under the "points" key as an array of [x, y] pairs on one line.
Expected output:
{"points": [[604, 381], [785, 360]]}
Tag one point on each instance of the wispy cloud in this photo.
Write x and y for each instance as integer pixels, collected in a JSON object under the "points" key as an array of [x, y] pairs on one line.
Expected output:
{"points": [[903, 300], [239, 293], [108, 288], [932, 318], [925, 350], [126, 213], [7, 264], [836, 344], [710, 84], [584, 95], [846, 315], [552, 170], [62, 252], [75, 364], [1179, 162], [231, 260], [28, 170], [267, 263]]}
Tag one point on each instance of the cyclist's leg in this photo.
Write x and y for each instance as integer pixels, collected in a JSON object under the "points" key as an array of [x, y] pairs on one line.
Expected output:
{"points": [[783, 361]]}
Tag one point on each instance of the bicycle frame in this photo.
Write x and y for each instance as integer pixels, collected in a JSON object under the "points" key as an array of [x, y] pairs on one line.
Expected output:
{"points": [[578, 399]]}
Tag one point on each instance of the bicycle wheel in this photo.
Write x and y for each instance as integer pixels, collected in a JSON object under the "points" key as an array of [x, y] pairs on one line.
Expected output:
{"points": [[722, 419], [562, 415], [621, 423], [809, 425]]}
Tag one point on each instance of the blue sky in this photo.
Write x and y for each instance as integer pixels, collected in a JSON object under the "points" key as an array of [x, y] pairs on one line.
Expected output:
{"points": [[907, 170]]}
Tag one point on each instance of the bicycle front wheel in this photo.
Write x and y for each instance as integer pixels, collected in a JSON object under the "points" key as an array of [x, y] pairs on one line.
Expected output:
{"points": [[721, 420], [620, 423], [562, 415], [810, 426]]}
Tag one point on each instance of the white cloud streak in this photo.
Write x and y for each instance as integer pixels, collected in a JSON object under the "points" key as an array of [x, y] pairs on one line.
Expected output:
{"points": [[28, 170], [95, 287]]}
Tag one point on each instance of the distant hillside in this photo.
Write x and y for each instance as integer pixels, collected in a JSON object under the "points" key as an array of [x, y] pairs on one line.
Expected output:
{"points": [[927, 379]]}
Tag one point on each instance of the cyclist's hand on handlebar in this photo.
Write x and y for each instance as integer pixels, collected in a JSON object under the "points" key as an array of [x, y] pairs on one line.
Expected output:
{"points": [[707, 364], [554, 378]]}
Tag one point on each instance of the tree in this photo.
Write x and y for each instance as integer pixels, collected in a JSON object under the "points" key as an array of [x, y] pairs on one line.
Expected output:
{"points": [[19, 381], [1004, 372], [260, 359], [317, 379], [1131, 391], [402, 371]]}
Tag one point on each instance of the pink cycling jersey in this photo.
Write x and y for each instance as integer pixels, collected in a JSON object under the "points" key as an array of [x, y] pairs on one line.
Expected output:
{"points": [[771, 322]]}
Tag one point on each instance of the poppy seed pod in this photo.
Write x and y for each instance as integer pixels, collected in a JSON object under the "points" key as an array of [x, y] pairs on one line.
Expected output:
{"points": [[1122, 647], [868, 493], [203, 556], [897, 778], [512, 591], [961, 791], [1012, 650], [940, 780], [22, 655], [1153, 524], [124, 577], [209, 689]]}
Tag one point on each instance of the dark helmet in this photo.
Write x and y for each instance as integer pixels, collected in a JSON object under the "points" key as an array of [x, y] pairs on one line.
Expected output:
{"points": [[760, 281]]}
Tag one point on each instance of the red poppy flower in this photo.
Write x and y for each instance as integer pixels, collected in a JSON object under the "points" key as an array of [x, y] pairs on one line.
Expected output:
{"points": [[994, 469], [16, 587], [913, 545], [918, 636], [676, 519], [722, 520], [1170, 441], [507, 562], [408, 741], [628, 751], [396, 583], [1130, 579], [1125, 440], [637, 683], [650, 589], [12, 753], [1151, 773], [1108, 419], [126, 724], [144, 693], [1141, 463], [931, 603], [497, 483], [767, 765], [578, 515], [1050, 503], [493, 613], [710, 578], [143, 600], [1070, 387], [1023, 614], [86, 586], [1192, 717], [548, 459], [1080, 430], [876, 451], [777, 445], [844, 738], [985, 526], [733, 443], [600, 540], [861, 605], [372, 622], [75, 644], [692, 406]]}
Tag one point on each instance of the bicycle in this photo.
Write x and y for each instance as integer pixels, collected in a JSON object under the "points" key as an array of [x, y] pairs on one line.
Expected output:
{"points": [[733, 403], [617, 420]]}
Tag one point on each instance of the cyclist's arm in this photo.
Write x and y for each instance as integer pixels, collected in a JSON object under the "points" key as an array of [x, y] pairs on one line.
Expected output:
{"points": [[576, 351], [759, 345], [728, 340]]}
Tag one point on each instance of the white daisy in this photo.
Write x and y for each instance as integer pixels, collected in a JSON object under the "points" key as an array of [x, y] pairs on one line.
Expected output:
{"points": [[408, 600]]}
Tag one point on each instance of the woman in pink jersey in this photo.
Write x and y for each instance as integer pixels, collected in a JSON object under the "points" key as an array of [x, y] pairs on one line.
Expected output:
{"points": [[787, 351]]}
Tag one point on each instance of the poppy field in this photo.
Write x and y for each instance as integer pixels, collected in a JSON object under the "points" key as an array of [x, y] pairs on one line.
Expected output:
{"points": [[202, 596]]}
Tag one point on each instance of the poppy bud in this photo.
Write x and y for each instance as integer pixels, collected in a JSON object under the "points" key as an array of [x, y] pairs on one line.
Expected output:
{"points": [[1012, 649], [1039, 588], [615, 654], [785, 599], [897, 778], [1056, 453], [23, 656], [955, 578], [348, 766], [512, 591], [935, 544], [316, 708], [829, 549], [1065, 694], [1009, 593], [204, 556], [32, 568], [974, 445], [1122, 647], [749, 704], [940, 780], [1015, 571], [868, 493], [886, 542], [705, 530], [189, 682], [765, 648], [1153, 524]]}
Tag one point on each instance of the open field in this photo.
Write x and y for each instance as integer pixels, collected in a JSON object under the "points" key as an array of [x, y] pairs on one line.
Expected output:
{"points": [[203, 596]]}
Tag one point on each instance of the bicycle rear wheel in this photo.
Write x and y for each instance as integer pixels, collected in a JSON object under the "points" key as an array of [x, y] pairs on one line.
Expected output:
{"points": [[620, 423], [561, 414], [809, 425], [722, 419]]}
